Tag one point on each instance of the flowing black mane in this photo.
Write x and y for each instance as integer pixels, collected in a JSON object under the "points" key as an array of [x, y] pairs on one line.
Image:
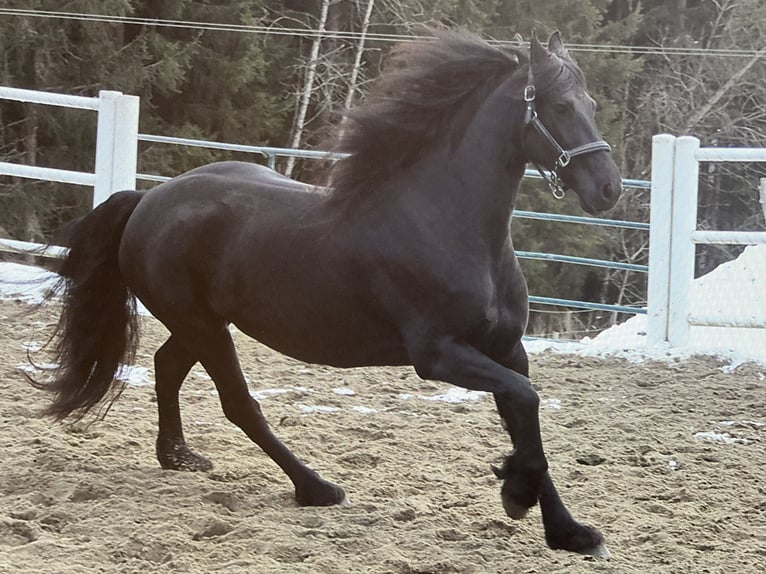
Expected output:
{"points": [[415, 101]]}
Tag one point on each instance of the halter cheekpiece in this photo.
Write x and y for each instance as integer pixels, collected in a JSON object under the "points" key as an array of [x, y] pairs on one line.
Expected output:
{"points": [[552, 179]]}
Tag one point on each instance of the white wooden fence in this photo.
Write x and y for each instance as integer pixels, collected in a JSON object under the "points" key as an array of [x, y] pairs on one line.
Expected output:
{"points": [[674, 235], [674, 188], [116, 148]]}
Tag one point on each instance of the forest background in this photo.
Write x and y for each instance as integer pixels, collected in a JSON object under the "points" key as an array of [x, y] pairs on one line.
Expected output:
{"points": [[676, 66]]}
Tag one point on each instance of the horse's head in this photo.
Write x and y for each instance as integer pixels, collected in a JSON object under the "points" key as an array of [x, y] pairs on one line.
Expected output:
{"points": [[561, 133]]}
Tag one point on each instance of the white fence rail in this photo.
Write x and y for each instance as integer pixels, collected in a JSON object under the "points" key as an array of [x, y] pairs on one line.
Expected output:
{"points": [[116, 149], [674, 235]]}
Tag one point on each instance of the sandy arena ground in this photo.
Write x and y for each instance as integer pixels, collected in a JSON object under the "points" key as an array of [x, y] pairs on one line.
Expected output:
{"points": [[667, 459]]}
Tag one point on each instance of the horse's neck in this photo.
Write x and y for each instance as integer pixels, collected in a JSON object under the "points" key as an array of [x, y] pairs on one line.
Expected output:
{"points": [[489, 163]]}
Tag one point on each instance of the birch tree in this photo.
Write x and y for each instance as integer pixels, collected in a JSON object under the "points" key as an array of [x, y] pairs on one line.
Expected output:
{"points": [[356, 68], [308, 85]]}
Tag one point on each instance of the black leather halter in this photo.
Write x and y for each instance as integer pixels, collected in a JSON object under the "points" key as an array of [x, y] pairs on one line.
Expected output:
{"points": [[564, 155]]}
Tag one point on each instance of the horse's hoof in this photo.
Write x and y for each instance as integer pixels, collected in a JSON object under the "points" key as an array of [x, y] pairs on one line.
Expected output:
{"points": [[518, 497], [320, 493], [600, 551], [181, 457], [514, 510], [578, 537], [521, 488]]}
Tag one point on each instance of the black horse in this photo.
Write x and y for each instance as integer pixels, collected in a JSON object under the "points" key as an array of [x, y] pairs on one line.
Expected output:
{"points": [[406, 259]]}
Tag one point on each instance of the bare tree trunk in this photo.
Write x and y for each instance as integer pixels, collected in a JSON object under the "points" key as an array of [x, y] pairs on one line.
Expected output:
{"points": [[680, 8], [356, 69], [357, 65], [308, 85]]}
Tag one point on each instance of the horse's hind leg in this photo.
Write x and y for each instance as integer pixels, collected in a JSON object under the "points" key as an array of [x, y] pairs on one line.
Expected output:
{"points": [[216, 352], [172, 362]]}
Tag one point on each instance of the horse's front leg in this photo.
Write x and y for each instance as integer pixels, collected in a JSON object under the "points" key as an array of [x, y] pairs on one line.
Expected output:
{"points": [[562, 531], [453, 361]]}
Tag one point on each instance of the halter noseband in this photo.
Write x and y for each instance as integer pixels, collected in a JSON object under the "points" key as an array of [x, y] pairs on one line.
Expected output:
{"points": [[564, 155]]}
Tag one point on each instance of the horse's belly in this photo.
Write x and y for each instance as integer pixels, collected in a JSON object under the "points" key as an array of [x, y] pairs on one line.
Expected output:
{"points": [[336, 337]]}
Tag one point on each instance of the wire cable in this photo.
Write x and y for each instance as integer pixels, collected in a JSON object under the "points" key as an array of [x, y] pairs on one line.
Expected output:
{"points": [[371, 36]]}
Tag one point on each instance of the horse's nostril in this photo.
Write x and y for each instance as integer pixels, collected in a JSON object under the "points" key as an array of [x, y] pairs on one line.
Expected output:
{"points": [[608, 191]]}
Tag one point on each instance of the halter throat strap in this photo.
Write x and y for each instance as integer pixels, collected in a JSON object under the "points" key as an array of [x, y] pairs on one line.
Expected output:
{"points": [[564, 156]]}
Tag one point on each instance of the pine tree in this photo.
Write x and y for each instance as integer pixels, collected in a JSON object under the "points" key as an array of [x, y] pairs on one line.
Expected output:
{"points": [[226, 86]]}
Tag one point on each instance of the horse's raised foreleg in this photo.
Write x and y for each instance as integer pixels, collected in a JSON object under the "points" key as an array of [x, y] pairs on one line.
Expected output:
{"points": [[517, 492], [517, 496], [455, 362], [172, 362], [217, 354]]}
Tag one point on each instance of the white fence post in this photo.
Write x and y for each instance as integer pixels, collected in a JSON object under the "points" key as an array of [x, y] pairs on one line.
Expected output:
{"points": [[661, 208], [682, 248], [116, 144]]}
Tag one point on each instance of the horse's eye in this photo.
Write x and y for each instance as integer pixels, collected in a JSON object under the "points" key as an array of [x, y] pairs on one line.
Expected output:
{"points": [[561, 108]]}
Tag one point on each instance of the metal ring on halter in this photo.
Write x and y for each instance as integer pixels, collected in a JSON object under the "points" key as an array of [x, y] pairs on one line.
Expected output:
{"points": [[552, 180], [557, 191]]}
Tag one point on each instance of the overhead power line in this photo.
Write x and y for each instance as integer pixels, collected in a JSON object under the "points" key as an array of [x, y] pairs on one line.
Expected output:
{"points": [[349, 35]]}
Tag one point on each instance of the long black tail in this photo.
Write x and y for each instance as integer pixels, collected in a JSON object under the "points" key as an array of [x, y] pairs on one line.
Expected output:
{"points": [[97, 329]]}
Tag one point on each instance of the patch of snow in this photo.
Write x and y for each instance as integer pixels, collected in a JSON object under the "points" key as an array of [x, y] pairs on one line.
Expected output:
{"points": [[316, 408], [742, 423], [134, 375], [364, 410], [552, 404], [37, 367], [453, 395], [265, 393], [24, 282], [734, 288], [723, 437], [32, 346]]}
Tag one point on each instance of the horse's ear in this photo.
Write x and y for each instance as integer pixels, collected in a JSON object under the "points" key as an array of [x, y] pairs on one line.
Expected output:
{"points": [[538, 55], [556, 46]]}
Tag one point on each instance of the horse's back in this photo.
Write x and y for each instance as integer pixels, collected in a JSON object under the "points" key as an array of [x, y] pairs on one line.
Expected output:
{"points": [[241, 173], [187, 222], [209, 205]]}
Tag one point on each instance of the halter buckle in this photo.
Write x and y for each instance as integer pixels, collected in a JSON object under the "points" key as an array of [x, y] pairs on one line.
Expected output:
{"points": [[529, 93], [564, 159]]}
